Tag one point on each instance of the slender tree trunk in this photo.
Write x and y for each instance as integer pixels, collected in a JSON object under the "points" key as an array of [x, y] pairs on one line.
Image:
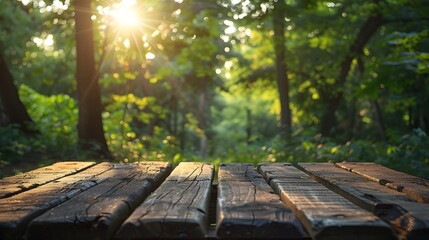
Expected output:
{"points": [[281, 68], [202, 118], [14, 110], [175, 114], [249, 126], [368, 29], [3, 118], [378, 117], [174, 108], [183, 133], [90, 125], [426, 122], [352, 113]]}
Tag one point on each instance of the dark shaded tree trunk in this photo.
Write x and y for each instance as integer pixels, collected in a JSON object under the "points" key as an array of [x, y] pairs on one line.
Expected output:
{"points": [[426, 122], [182, 136], [3, 118], [378, 117], [14, 111], [368, 29], [249, 126], [90, 125], [279, 13], [202, 116], [174, 108], [377, 113]]}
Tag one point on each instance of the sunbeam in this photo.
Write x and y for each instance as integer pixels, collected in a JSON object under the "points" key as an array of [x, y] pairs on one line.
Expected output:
{"points": [[124, 15]]}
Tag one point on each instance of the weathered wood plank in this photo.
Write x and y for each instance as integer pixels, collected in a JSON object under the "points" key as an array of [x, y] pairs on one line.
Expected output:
{"points": [[17, 211], [413, 186], [248, 207], [177, 209], [325, 214], [410, 218], [98, 212], [24, 181]]}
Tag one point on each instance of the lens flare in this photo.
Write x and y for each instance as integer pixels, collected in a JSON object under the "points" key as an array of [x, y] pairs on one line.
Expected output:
{"points": [[124, 14]]}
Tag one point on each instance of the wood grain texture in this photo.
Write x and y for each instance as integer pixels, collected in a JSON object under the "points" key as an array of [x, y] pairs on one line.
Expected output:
{"points": [[17, 211], [249, 208], [325, 214], [13, 185], [415, 187], [177, 209], [98, 212], [408, 216]]}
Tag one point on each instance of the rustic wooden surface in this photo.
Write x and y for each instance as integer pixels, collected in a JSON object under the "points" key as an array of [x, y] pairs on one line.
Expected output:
{"points": [[17, 211], [73, 200], [325, 214], [177, 209], [99, 212], [414, 187], [248, 207], [407, 216], [15, 184]]}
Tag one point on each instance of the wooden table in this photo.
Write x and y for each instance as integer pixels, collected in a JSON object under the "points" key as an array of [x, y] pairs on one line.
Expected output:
{"points": [[151, 200]]}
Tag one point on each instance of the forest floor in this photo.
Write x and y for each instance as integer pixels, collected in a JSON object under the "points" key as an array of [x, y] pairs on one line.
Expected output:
{"points": [[14, 168]]}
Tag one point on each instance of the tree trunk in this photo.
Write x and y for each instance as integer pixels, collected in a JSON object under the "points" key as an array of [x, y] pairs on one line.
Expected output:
{"points": [[249, 126], [174, 108], [3, 118], [281, 68], [182, 135], [202, 118], [90, 125], [368, 29], [377, 113], [14, 111], [378, 117]]}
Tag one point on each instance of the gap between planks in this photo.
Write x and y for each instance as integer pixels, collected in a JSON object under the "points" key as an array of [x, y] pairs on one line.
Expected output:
{"points": [[99, 212], [178, 208], [249, 208], [181, 177], [408, 217], [325, 214]]}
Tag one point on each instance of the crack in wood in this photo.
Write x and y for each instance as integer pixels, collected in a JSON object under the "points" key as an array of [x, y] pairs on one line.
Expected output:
{"points": [[394, 207], [177, 208], [247, 209], [13, 185], [100, 211]]}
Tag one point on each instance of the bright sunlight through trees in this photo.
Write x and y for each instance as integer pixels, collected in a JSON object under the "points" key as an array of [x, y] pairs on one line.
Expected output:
{"points": [[123, 14]]}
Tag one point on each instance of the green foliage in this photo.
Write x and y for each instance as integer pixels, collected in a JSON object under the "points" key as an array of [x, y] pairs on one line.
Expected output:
{"points": [[406, 153], [153, 77], [13, 144], [125, 135], [55, 119], [56, 116]]}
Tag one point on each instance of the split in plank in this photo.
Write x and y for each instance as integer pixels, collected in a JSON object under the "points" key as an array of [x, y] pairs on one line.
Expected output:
{"points": [[325, 214], [415, 187], [248, 207], [409, 217], [13, 185], [100, 211], [17, 211], [177, 209]]}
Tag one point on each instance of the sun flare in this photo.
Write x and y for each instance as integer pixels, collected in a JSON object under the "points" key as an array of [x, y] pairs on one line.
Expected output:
{"points": [[124, 14]]}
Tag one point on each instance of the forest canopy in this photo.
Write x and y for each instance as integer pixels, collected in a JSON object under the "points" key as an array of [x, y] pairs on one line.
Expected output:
{"points": [[215, 80]]}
